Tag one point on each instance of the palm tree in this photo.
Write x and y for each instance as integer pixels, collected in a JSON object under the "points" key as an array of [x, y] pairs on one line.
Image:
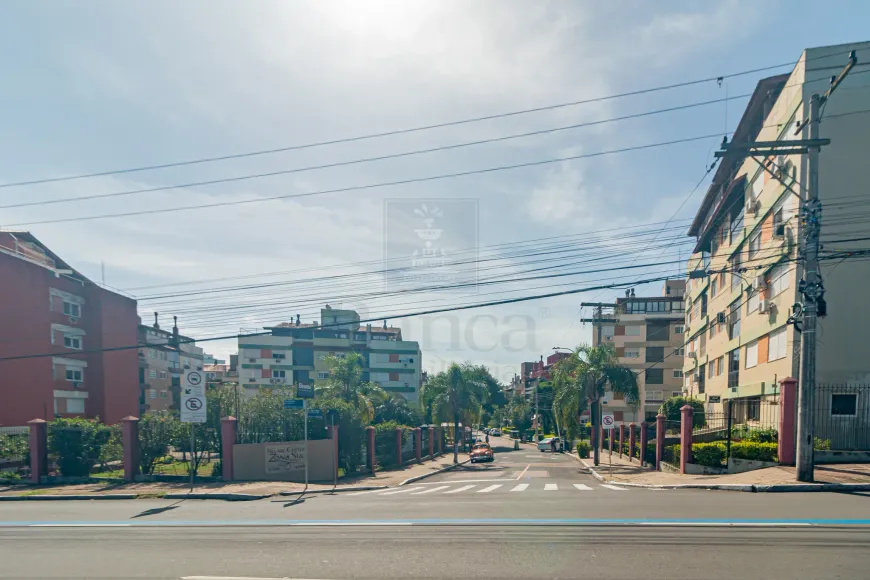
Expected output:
{"points": [[345, 383], [458, 393], [581, 380]]}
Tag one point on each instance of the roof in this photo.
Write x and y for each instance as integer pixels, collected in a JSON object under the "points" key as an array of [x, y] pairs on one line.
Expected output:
{"points": [[22, 239], [746, 130]]}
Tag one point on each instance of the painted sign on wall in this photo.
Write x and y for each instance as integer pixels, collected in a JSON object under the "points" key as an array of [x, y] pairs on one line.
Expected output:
{"points": [[285, 457]]}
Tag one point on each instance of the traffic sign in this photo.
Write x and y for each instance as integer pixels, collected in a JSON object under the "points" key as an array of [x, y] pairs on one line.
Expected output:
{"points": [[315, 413], [294, 403], [305, 391], [193, 402], [607, 421]]}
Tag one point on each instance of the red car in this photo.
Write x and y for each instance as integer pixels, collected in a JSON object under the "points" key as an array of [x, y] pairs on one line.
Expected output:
{"points": [[481, 452]]}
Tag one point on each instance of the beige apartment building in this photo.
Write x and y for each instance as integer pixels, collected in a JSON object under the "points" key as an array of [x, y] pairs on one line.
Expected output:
{"points": [[648, 335], [740, 340]]}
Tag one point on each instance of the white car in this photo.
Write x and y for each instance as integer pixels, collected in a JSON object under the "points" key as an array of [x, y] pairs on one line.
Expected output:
{"points": [[546, 444]]}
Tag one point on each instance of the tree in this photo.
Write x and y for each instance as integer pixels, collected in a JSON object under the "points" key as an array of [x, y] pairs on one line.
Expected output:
{"points": [[396, 408], [458, 393], [156, 431], [345, 383], [520, 413], [581, 380], [671, 410]]}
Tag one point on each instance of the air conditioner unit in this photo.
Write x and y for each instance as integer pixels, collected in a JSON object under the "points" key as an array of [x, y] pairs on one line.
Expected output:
{"points": [[692, 354], [758, 283], [763, 306], [272, 381], [720, 318], [74, 319], [752, 207], [253, 360], [76, 384]]}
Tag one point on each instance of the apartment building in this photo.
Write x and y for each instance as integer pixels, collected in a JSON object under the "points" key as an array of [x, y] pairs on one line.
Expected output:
{"points": [[296, 353], [647, 333], [49, 308], [163, 357], [741, 339]]}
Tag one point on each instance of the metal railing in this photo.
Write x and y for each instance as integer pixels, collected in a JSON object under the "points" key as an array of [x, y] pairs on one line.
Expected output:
{"points": [[841, 417]]}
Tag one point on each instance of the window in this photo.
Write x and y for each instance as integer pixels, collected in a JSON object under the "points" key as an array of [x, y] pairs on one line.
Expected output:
{"points": [[162, 374], [734, 320], [734, 367], [720, 365], [654, 376], [323, 374], [632, 353], [681, 351], [72, 341], [757, 186], [714, 285], [163, 394], [71, 309], [752, 303], [655, 354], [608, 330], [711, 370], [777, 344], [713, 328], [75, 406], [778, 225], [279, 374], [394, 358], [677, 306], [778, 280], [679, 329], [658, 330], [632, 330], [152, 374], [737, 224], [74, 375], [752, 354], [279, 355], [844, 404], [394, 376], [654, 396], [678, 374], [754, 244]]}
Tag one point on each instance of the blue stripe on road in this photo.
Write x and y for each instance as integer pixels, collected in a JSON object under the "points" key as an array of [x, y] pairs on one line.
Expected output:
{"points": [[449, 521]]}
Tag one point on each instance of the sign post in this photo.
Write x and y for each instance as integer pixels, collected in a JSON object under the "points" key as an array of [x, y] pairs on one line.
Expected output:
{"points": [[305, 427], [607, 423], [193, 411]]}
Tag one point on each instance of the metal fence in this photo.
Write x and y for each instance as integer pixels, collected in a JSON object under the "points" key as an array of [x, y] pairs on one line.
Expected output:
{"points": [[408, 442], [385, 448], [425, 441], [14, 453], [841, 417], [79, 451]]}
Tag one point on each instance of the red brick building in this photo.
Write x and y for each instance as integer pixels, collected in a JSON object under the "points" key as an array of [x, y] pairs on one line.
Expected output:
{"points": [[48, 308]]}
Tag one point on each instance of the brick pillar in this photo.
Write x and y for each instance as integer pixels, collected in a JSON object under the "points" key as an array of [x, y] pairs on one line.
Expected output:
{"points": [[439, 434], [431, 443], [333, 434], [686, 436], [130, 438], [642, 443], [398, 446], [370, 449], [660, 440], [229, 426], [632, 440], [418, 444], [621, 437], [38, 449], [787, 413]]}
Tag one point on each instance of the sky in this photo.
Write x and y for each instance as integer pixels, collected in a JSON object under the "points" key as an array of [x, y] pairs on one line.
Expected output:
{"points": [[102, 86]]}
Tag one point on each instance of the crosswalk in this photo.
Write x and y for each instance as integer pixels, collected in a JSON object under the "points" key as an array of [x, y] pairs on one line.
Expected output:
{"points": [[474, 488]]}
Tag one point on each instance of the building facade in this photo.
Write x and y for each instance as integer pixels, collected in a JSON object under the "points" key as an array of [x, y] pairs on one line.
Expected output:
{"points": [[647, 333], [163, 357], [48, 308], [296, 353], [741, 341]]}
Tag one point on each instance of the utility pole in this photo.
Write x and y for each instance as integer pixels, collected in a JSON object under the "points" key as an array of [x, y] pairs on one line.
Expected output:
{"points": [[806, 385], [597, 321], [537, 411]]}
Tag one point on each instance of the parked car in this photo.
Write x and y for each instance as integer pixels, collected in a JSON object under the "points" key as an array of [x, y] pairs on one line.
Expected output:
{"points": [[482, 452], [547, 444], [496, 433]]}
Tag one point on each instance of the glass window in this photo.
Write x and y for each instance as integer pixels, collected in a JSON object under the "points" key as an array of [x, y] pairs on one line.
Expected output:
{"points": [[714, 285], [737, 224], [323, 375], [711, 370], [681, 351], [844, 404], [632, 353], [679, 329], [654, 376], [720, 365], [72, 309], [779, 280], [70, 341], [633, 330], [75, 406], [757, 185], [678, 374], [152, 374], [734, 320], [754, 244], [777, 344], [74, 375], [752, 303], [608, 330], [279, 374], [736, 264], [752, 354]]}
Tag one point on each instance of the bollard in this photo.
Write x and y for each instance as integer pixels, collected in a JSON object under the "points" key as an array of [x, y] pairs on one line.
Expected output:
{"points": [[130, 441], [632, 441], [418, 444], [370, 449], [660, 440], [787, 410], [686, 436], [643, 444], [229, 427], [621, 438], [38, 449]]}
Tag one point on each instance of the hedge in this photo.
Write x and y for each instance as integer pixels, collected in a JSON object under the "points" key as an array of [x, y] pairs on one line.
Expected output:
{"points": [[708, 454], [755, 451], [583, 449]]}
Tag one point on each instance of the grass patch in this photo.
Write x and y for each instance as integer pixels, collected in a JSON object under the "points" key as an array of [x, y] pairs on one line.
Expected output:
{"points": [[35, 492], [174, 468]]}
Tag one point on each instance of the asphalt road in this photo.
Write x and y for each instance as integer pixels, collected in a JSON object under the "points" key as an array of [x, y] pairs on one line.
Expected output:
{"points": [[473, 522]]}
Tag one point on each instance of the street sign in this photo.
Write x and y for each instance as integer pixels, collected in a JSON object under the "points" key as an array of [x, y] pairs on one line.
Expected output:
{"points": [[294, 403], [193, 402], [714, 399], [305, 391], [607, 421], [315, 413]]}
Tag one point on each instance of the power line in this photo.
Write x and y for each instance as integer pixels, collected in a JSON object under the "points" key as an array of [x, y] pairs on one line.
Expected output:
{"points": [[360, 187], [376, 158]]}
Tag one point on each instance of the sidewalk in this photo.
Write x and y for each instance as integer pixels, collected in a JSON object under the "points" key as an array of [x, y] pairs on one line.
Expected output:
{"points": [[624, 472], [243, 490]]}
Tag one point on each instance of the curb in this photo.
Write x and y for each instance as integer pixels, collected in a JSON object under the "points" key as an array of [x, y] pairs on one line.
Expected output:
{"points": [[594, 473], [436, 472], [336, 490], [220, 496], [66, 497]]}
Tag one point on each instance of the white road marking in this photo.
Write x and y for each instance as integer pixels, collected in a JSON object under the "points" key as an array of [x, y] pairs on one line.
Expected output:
{"points": [[402, 490], [551, 487], [458, 489], [80, 525], [366, 491], [728, 524], [430, 490], [489, 489], [521, 487], [582, 487], [613, 487], [466, 481], [235, 578], [520, 476]]}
